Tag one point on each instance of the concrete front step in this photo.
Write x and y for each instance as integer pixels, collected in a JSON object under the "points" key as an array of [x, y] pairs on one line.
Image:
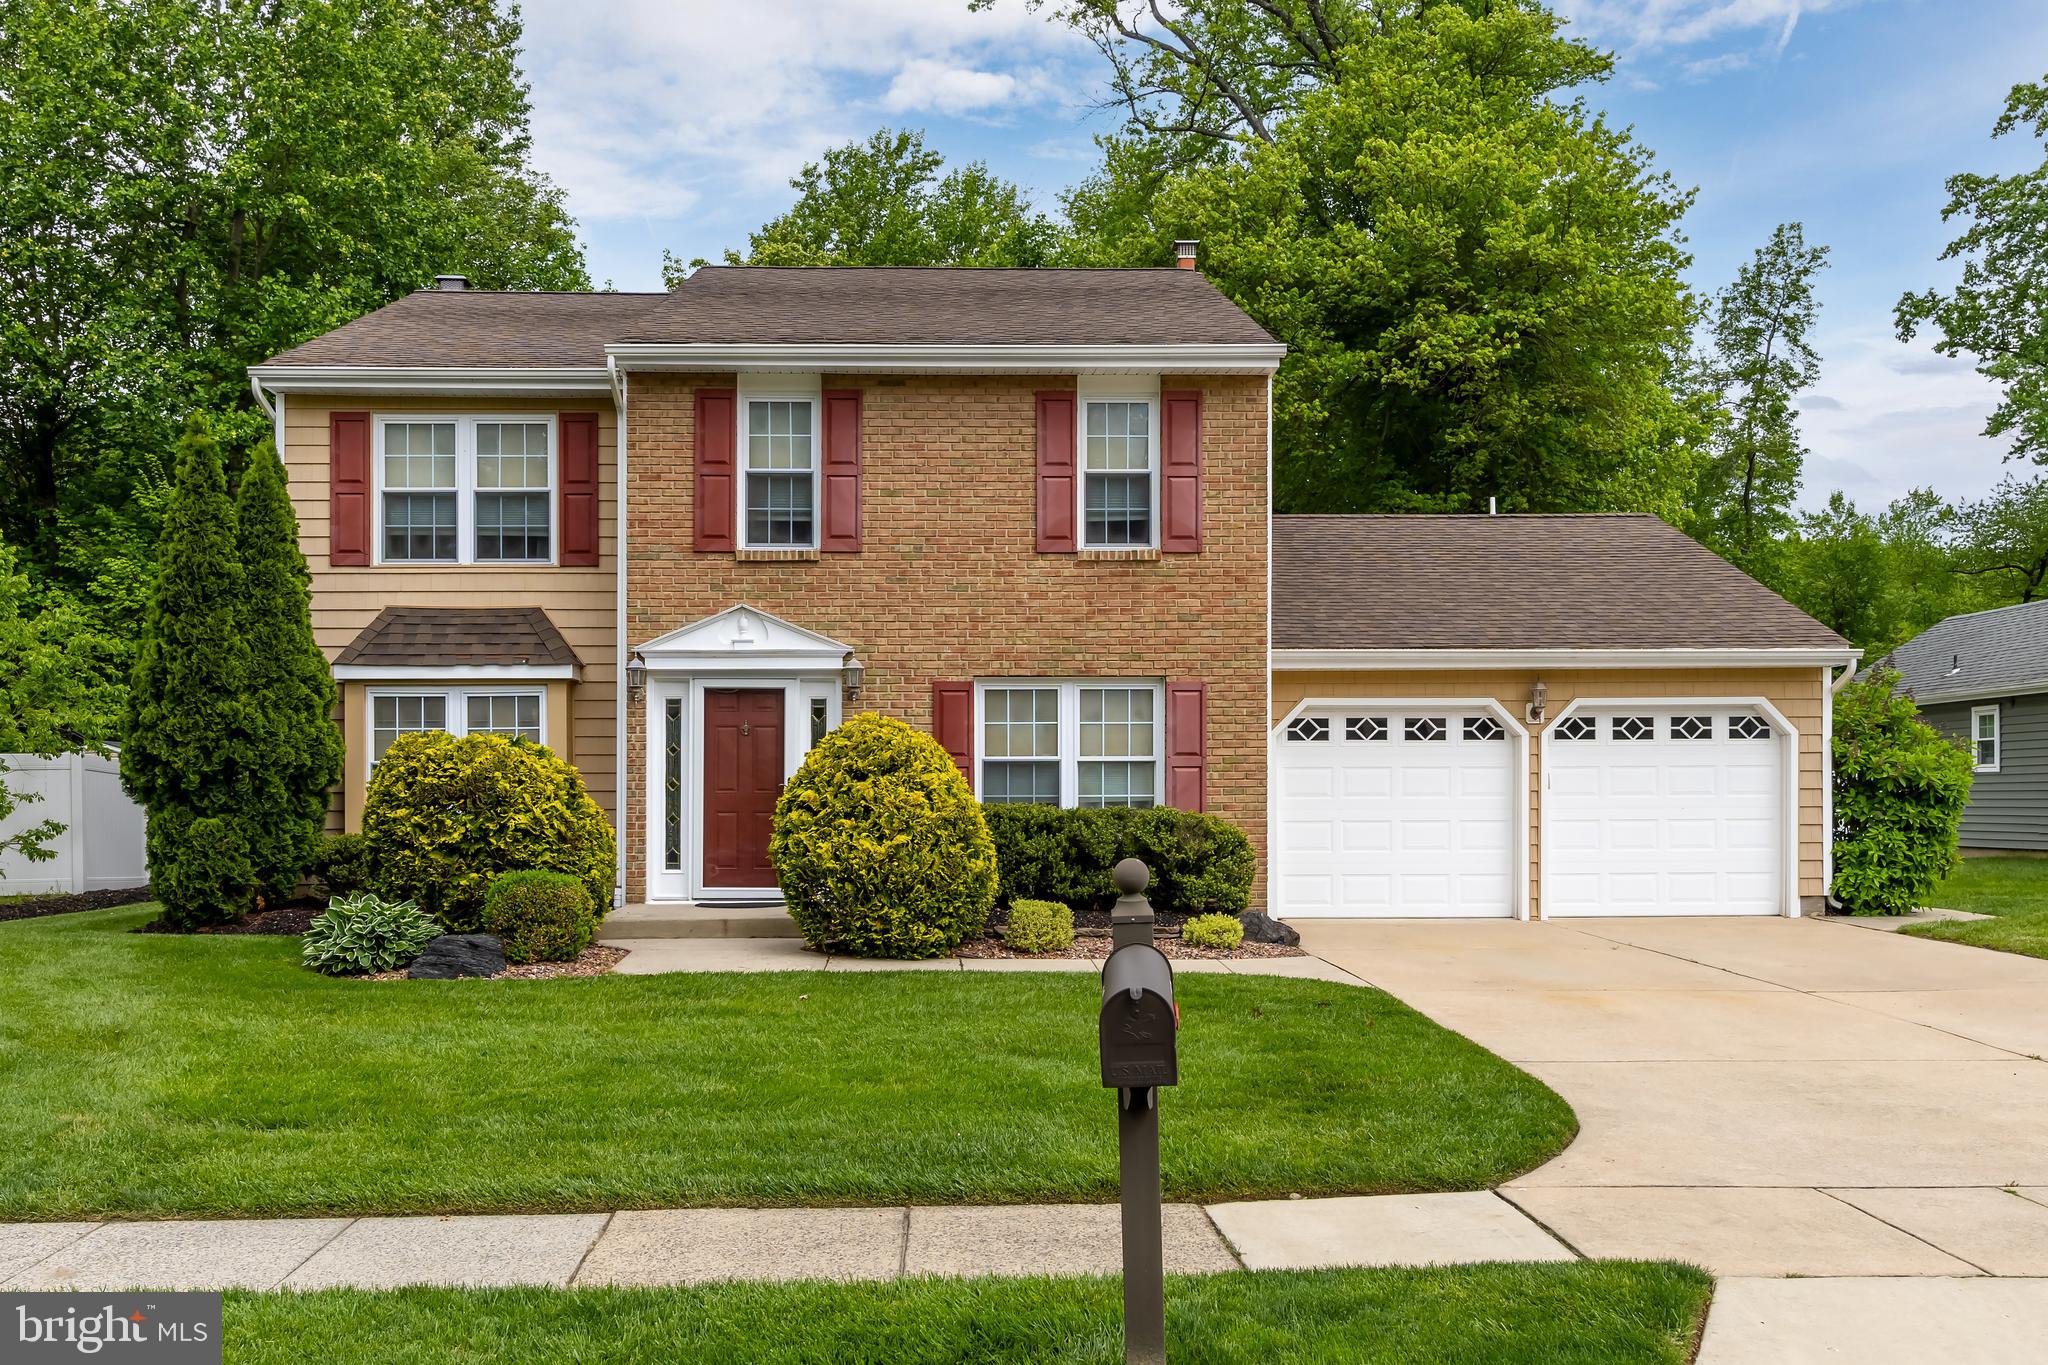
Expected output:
{"points": [[697, 921]]}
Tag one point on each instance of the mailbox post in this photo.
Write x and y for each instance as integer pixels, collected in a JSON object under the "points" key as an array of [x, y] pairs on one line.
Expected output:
{"points": [[1138, 1024]]}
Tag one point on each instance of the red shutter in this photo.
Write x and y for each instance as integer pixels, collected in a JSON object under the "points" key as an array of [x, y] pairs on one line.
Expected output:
{"points": [[579, 488], [953, 723], [1180, 470], [839, 473], [348, 488], [1056, 473], [1187, 745], [717, 455]]}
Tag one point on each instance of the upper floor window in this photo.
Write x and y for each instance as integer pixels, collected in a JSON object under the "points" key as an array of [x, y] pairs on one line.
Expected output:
{"points": [[1118, 493], [779, 487], [1984, 738], [465, 490]]}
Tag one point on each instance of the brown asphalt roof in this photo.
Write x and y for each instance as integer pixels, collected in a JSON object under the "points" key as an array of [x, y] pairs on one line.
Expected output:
{"points": [[1519, 582], [416, 637], [946, 306], [436, 328], [475, 328]]}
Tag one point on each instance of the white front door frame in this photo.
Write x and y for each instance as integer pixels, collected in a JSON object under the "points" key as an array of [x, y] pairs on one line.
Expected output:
{"points": [[1787, 735], [740, 647]]}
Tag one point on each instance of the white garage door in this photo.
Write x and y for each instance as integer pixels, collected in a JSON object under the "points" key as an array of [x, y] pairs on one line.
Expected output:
{"points": [[1664, 810], [1396, 812]]}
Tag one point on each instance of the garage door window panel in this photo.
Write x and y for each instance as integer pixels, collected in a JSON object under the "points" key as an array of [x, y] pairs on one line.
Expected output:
{"points": [[1365, 729], [1576, 728], [1425, 729]]}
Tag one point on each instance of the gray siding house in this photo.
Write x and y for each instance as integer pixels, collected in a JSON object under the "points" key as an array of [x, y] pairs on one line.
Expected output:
{"points": [[1984, 679]]}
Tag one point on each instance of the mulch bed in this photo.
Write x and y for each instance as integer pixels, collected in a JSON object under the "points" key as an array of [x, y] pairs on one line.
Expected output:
{"points": [[1092, 940], [71, 905], [290, 918], [596, 960]]}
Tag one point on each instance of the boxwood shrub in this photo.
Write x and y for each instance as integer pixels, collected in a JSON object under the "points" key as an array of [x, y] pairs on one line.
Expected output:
{"points": [[443, 816], [879, 845], [539, 916], [1213, 931], [1199, 862], [342, 865], [1039, 927]]}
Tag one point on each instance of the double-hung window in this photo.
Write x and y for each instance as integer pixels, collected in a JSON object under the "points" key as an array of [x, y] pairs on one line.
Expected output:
{"points": [[779, 482], [466, 490], [1118, 489], [511, 712], [1984, 738], [1070, 743]]}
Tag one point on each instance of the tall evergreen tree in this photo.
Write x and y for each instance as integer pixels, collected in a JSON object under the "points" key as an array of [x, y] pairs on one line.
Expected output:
{"points": [[181, 755], [292, 752]]}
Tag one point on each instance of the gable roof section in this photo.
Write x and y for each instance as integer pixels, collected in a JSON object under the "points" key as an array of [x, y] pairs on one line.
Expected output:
{"points": [[1993, 653], [1520, 583], [477, 329], [965, 306], [418, 638]]}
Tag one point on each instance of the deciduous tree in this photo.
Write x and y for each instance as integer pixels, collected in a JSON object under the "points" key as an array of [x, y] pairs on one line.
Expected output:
{"points": [[2003, 539]]}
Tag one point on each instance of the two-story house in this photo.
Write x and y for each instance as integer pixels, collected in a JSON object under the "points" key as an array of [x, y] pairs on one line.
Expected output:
{"points": [[678, 536]]}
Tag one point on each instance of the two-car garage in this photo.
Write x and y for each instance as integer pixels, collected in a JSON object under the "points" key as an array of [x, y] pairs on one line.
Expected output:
{"points": [[1650, 739]]}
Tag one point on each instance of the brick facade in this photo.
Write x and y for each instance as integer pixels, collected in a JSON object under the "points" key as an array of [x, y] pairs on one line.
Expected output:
{"points": [[948, 584]]}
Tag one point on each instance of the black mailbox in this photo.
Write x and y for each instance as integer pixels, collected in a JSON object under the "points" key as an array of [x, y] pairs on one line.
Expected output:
{"points": [[1138, 1019]]}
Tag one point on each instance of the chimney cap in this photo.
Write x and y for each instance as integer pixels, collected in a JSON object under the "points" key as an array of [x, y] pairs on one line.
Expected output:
{"points": [[1184, 253], [451, 283]]}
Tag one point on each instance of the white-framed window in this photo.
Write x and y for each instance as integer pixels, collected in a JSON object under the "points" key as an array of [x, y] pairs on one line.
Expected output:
{"points": [[1077, 743], [465, 490], [515, 712], [1984, 738], [1119, 490], [779, 472]]}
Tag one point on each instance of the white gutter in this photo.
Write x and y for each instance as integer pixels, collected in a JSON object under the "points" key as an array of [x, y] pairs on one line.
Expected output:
{"points": [[846, 357], [262, 399], [398, 379], [1382, 659], [454, 672]]}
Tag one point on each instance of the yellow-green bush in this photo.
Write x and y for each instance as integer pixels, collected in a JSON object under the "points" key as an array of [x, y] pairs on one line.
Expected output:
{"points": [[1213, 931], [443, 816], [880, 847], [1039, 927], [539, 916]]}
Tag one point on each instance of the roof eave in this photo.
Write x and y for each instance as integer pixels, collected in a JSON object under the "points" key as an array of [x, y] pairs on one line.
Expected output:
{"points": [[1384, 659], [2013, 689], [430, 380], [990, 358], [457, 672]]}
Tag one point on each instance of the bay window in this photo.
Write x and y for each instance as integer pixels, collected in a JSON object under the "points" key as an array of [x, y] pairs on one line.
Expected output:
{"points": [[513, 712]]}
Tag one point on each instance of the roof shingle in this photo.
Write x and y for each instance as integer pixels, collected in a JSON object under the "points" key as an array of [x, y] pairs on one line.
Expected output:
{"points": [[453, 637], [471, 328], [1981, 654], [1519, 583]]}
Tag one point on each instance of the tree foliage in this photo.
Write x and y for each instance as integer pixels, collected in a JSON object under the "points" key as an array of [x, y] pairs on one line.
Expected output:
{"points": [[194, 185], [1762, 360], [1998, 312], [1900, 789], [885, 202], [2003, 537]]}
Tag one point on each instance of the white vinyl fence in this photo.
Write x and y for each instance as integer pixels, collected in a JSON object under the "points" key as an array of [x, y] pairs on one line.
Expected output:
{"points": [[101, 846]]}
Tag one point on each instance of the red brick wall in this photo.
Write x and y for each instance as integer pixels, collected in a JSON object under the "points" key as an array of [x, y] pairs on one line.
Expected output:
{"points": [[949, 585]]}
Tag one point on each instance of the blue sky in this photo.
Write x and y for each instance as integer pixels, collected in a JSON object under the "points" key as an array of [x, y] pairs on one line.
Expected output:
{"points": [[678, 125]]}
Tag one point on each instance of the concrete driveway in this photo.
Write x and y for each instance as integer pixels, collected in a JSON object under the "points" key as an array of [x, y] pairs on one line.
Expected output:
{"points": [[1771, 1098]]}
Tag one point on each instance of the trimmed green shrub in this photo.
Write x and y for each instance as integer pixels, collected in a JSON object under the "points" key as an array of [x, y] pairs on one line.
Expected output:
{"points": [[365, 933], [539, 916], [343, 865], [443, 816], [1198, 862], [1039, 927], [879, 845], [1900, 789], [1213, 931]]}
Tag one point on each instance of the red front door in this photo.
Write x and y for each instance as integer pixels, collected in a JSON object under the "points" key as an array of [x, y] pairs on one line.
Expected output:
{"points": [[742, 778]]}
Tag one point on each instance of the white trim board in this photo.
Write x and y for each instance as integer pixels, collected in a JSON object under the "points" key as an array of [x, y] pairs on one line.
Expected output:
{"points": [[1297, 660], [453, 674], [429, 380], [886, 358]]}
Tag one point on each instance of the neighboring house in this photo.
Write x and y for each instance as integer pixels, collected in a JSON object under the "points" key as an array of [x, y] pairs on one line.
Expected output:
{"points": [[1983, 678], [1541, 715], [677, 537]]}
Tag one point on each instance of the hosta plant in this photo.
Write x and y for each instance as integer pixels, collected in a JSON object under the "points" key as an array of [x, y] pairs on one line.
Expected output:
{"points": [[365, 933]]}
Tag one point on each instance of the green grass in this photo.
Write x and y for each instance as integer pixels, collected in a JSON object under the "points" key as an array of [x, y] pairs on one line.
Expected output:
{"points": [[2014, 890], [1579, 1313], [153, 1075]]}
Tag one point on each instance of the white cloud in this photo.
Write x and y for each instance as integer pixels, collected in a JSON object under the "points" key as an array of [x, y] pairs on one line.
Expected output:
{"points": [[1645, 25], [941, 87]]}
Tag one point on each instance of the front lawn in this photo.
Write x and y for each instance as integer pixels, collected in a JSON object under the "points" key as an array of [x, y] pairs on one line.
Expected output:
{"points": [[152, 1075], [1583, 1313], [2015, 890]]}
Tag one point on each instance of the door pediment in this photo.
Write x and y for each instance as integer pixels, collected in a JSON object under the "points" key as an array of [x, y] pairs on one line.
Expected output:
{"points": [[743, 639]]}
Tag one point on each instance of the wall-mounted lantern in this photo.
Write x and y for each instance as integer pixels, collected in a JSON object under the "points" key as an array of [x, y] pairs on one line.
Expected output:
{"points": [[854, 674], [636, 674], [1539, 697]]}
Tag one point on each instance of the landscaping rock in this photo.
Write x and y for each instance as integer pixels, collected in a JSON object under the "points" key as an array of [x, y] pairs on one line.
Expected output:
{"points": [[454, 955], [1260, 927]]}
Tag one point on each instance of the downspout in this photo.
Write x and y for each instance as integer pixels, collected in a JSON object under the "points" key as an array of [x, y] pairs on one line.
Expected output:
{"points": [[620, 755]]}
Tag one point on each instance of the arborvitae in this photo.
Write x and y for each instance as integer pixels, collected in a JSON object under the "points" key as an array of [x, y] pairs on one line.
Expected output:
{"points": [[292, 753], [187, 714]]}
